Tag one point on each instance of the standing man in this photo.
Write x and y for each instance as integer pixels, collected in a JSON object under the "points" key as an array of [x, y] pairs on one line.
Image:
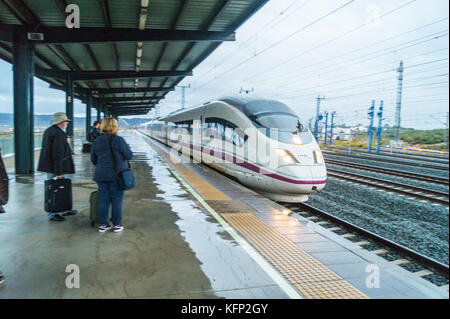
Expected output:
{"points": [[56, 156], [95, 131]]}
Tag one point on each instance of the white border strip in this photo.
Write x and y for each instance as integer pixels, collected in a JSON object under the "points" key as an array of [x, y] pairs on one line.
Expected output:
{"points": [[268, 268]]}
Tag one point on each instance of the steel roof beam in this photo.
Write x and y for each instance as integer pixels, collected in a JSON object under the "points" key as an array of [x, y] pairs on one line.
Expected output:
{"points": [[60, 35], [131, 109], [103, 75], [130, 104], [131, 90], [129, 114], [129, 99]]}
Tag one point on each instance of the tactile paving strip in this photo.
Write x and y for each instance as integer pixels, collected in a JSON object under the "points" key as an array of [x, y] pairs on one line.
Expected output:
{"points": [[312, 278], [230, 206], [330, 290]]}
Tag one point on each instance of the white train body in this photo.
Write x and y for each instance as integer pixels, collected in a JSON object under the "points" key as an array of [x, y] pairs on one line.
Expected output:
{"points": [[261, 143]]}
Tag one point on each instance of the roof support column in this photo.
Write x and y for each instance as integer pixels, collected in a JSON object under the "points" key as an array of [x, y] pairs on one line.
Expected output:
{"points": [[31, 98], [99, 113], [69, 108], [88, 112], [23, 103]]}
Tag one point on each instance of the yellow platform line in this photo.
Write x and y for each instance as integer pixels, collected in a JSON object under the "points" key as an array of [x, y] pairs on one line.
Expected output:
{"points": [[312, 278], [206, 190]]}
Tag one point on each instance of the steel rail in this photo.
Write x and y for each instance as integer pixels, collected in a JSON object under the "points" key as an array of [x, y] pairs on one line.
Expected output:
{"points": [[388, 153], [371, 181], [401, 250], [419, 177], [444, 168]]}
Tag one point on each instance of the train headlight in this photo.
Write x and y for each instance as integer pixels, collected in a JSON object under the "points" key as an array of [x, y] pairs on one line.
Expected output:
{"points": [[297, 140], [286, 156], [318, 158]]}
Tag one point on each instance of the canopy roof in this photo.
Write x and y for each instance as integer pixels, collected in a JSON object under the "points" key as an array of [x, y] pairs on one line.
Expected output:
{"points": [[126, 52]]}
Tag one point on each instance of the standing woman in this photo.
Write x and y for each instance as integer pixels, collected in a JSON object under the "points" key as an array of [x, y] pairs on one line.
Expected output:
{"points": [[110, 155]]}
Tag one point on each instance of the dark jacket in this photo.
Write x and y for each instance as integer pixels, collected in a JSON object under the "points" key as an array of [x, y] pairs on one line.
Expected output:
{"points": [[56, 153], [93, 134], [102, 159]]}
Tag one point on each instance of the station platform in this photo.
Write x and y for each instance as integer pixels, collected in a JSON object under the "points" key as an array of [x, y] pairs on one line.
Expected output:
{"points": [[189, 233]]}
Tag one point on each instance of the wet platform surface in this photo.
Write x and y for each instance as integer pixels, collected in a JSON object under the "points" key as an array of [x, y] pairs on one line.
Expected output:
{"points": [[169, 249], [172, 247]]}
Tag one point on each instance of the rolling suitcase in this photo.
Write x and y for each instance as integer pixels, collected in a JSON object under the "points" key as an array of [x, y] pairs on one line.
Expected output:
{"points": [[93, 201], [58, 195], [87, 147], [93, 214]]}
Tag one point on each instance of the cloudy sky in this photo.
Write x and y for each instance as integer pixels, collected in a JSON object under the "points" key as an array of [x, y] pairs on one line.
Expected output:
{"points": [[295, 50]]}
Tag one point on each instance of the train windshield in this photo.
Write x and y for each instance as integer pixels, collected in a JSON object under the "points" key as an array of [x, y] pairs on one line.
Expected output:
{"points": [[279, 122]]}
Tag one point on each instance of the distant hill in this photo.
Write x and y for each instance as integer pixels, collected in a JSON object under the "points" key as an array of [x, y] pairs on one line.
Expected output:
{"points": [[43, 121]]}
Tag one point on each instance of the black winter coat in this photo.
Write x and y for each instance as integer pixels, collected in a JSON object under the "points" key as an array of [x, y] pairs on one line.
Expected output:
{"points": [[56, 153]]}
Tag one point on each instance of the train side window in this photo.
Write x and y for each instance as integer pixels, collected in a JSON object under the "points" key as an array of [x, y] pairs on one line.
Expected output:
{"points": [[220, 130], [229, 130], [210, 128], [228, 134], [239, 137]]}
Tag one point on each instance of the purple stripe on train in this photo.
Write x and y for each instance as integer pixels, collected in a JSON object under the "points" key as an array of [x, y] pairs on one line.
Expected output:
{"points": [[234, 160]]}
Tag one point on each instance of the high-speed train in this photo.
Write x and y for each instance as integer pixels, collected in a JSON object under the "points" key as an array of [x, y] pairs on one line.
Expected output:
{"points": [[261, 143]]}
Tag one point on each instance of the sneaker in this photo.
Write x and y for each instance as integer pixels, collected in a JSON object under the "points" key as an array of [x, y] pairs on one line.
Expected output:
{"points": [[57, 218], [103, 228], [117, 229], [70, 213]]}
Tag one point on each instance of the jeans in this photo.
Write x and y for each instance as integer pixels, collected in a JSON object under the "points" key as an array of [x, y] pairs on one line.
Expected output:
{"points": [[109, 193], [51, 215]]}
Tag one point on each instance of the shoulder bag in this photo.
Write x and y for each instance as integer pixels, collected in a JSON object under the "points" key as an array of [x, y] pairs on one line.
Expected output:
{"points": [[125, 178]]}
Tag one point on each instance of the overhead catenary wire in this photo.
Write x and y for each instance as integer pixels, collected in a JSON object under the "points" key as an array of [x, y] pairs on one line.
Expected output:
{"points": [[365, 58], [280, 41], [255, 36], [383, 87], [368, 46], [360, 77], [332, 40], [365, 84]]}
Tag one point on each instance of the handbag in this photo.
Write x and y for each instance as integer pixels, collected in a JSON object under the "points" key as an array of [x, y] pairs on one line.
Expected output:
{"points": [[125, 178]]}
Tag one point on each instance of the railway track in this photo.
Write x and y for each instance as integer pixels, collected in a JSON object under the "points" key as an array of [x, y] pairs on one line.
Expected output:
{"points": [[403, 189], [423, 165], [388, 153], [349, 230], [418, 177]]}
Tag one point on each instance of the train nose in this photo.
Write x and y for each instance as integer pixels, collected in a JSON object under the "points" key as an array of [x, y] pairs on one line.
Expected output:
{"points": [[306, 179]]}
